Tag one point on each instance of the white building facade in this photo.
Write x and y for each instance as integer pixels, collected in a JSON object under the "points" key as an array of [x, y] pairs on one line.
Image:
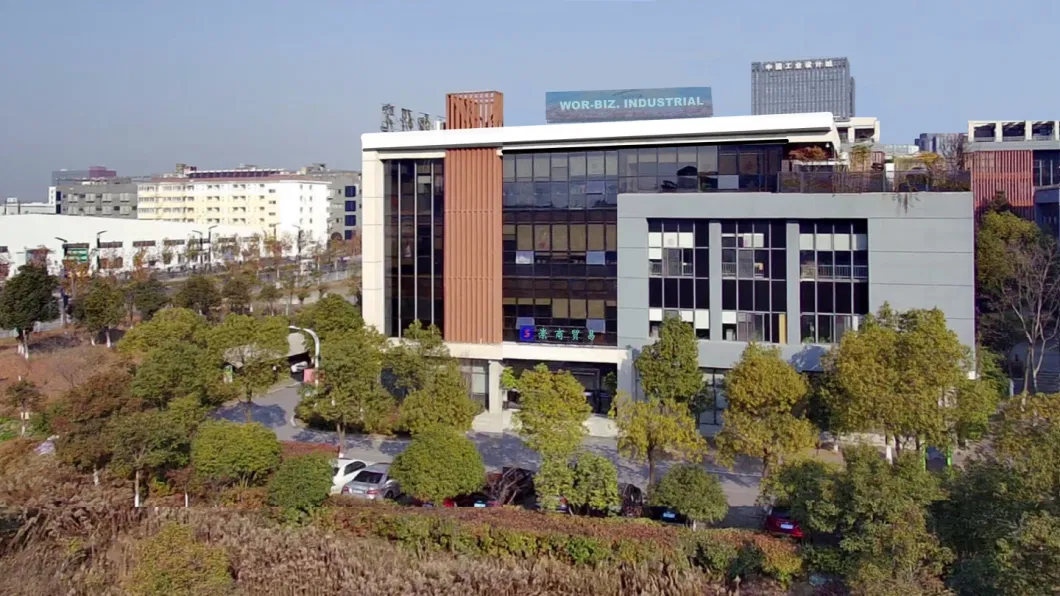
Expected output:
{"points": [[113, 244], [269, 201]]}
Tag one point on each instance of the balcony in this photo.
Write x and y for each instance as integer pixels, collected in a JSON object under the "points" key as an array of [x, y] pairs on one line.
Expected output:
{"points": [[828, 272], [865, 182]]}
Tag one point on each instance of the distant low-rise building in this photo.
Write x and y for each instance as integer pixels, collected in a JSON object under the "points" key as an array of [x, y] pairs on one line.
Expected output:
{"points": [[344, 199], [271, 200], [111, 197]]}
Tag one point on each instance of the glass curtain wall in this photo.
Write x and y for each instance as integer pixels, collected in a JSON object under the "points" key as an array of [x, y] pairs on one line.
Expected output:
{"points": [[753, 287], [414, 212], [834, 274]]}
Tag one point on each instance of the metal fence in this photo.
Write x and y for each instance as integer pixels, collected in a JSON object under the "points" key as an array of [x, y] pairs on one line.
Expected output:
{"points": [[864, 182]]}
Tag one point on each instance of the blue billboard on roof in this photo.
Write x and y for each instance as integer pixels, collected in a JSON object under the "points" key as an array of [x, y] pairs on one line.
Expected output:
{"points": [[628, 104]]}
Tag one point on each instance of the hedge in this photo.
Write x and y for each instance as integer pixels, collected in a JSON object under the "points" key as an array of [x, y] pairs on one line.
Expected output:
{"points": [[517, 533]]}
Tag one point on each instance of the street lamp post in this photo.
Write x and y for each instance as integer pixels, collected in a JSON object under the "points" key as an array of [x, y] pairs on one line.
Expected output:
{"points": [[199, 232], [99, 258], [209, 244], [62, 294]]}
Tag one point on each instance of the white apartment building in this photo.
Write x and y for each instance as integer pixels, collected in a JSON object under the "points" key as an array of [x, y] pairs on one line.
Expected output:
{"points": [[272, 201]]}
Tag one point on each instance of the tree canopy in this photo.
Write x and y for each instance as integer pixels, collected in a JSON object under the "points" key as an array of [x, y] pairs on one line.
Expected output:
{"points": [[229, 452], [255, 347], [442, 401], [594, 485], [438, 464], [692, 491], [301, 484], [669, 367], [764, 417], [331, 317], [169, 326], [100, 307], [144, 442], [412, 361], [350, 393], [656, 429], [552, 413], [26, 298], [200, 294], [899, 374]]}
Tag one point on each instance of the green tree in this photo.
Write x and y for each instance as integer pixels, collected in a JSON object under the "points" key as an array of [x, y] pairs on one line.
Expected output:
{"points": [[148, 297], [594, 485], [176, 370], [269, 294], [1018, 278], [1029, 559], [442, 401], [100, 307], [653, 430], [173, 563], [553, 412], [237, 292], [169, 326], [420, 476], [879, 512], [693, 492], [301, 484], [414, 359], [669, 368], [331, 317], [27, 298], [257, 350], [764, 417], [350, 393], [227, 452], [554, 480], [899, 374], [82, 416], [1026, 289], [24, 397], [146, 442], [199, 293]]}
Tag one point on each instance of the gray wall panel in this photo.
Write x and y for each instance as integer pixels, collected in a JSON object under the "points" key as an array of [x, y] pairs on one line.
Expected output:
{"points": [[921, 255]]}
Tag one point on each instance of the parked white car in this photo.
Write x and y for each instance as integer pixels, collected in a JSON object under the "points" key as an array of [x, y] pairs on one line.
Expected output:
{"points": [[344, 470]]}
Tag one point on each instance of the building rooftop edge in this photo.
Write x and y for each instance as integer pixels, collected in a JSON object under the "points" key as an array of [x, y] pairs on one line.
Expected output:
{"points": [[820, 123]]}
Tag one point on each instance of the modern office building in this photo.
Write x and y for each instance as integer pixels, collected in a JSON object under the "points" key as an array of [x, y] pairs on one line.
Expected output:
{"points": [[270, 200], [802, 86], [1015, 159], [107, 197], [568, 244]]}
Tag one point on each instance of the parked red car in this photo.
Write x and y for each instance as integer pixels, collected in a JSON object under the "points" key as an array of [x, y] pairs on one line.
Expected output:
{"points": [[780, 523]]}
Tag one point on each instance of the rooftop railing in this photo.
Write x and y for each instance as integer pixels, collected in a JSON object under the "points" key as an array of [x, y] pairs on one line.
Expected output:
{"points": [[864, 182]]}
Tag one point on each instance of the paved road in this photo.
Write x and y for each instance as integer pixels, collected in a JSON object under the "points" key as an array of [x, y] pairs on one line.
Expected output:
{"points": [[276, 411]]}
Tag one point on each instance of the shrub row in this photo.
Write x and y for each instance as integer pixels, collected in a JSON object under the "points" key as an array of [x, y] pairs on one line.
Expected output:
{"points": [[522, 534]]}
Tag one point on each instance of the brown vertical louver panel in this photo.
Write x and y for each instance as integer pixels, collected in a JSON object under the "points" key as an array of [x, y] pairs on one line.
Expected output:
{"points": [[473, 246], [474, 109], [1006, 171]]}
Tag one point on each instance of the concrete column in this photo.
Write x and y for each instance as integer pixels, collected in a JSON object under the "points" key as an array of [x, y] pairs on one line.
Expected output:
{"points": [[792, 273], [1056, 130], [627, 376], [496, 393], [998, 132], [1027, 130], [714, 271], [373, 308]]}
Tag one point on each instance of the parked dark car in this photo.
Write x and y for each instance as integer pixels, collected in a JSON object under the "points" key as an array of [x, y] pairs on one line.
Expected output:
{"points": [[666, 515], [510, 486], [779, 522], [631, 502]]}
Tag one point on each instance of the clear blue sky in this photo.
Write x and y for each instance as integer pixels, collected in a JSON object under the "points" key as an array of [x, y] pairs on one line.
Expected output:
{"points": [[139, 85]]}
